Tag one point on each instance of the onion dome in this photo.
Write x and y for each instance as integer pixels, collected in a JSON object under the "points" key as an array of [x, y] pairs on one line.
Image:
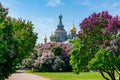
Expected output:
{"points": [[54, 37], [73, 28], [45, 39]]}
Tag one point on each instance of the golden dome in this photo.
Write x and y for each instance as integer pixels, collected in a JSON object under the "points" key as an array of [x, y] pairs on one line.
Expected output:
{"points": [[45, 38], [73, 28]]}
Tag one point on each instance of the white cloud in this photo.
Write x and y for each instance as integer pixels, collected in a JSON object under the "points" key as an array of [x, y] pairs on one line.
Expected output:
{"points": [[54, 3]]}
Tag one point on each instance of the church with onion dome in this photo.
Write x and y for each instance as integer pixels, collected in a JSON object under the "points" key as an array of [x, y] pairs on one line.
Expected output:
{"points": [[60, 34]]}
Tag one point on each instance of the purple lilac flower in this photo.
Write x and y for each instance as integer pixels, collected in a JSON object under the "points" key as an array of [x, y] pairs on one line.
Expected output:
{"points": [[109, 26], [115, 40], [109, 16], [112, 21], [116, 47], [104, 18], [108, 48]]}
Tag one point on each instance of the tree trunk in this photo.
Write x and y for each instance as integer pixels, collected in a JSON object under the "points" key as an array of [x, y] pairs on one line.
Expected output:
{"points": [[101, 72], [111, 74], [113, 77]]}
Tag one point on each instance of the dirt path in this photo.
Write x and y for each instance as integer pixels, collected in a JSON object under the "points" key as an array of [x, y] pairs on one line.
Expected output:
{"points": [[20, 75]]}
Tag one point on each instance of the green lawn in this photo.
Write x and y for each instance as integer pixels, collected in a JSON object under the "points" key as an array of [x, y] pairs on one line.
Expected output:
{"points": [[70, 75]]}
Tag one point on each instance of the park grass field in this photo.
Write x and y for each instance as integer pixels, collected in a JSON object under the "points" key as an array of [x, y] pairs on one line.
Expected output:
{"points": [[69, 75]]}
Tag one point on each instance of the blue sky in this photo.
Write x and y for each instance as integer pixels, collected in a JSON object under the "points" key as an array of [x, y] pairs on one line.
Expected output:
{"points": [[44, 13]]}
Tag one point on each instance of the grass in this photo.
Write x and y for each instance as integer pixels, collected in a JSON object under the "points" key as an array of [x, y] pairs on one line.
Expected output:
{"points": [[69, 75]]}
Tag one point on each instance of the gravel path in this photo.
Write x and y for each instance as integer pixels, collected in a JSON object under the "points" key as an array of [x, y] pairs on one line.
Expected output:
{"points": [[20, 75]]}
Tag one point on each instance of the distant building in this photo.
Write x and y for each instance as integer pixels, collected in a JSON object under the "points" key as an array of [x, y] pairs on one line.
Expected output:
{"points": [[60, 34]]}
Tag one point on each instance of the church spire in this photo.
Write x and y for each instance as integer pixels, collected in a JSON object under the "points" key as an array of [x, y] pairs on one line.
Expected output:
{"points": [[60, 19], [73, 22], [60, 26]]}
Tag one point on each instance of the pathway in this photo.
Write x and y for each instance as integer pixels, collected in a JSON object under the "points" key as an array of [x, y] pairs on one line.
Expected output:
{"points": [[20, 75]]}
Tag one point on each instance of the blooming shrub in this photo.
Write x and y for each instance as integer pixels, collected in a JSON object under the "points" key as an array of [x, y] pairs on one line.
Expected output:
{"points": [[97, 45], [49, 57], [103, 20]]}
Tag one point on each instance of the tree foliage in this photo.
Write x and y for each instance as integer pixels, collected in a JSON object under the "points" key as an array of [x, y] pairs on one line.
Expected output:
{"points": [[17, 40], [97, 44]]}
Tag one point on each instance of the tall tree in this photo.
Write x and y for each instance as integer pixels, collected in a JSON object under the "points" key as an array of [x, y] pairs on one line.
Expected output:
{"points": [[17, 40], [93, 40]]}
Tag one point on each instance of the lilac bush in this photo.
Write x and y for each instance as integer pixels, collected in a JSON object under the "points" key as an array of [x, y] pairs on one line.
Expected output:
{"points": [[50, 57], [103, 20], [97, 45]]}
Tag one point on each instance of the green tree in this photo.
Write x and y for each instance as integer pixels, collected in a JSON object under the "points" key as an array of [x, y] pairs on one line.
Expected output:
{"points": [[17, 40], [106, 62], [98, 32], [78, 58]]}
